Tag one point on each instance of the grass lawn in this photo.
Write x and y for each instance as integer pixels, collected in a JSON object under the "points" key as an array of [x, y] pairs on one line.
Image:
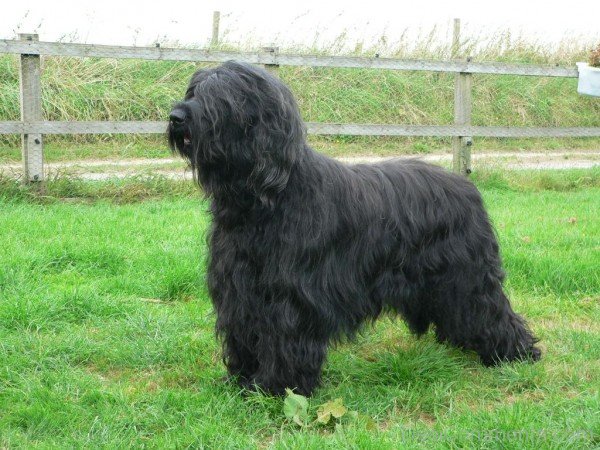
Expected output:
{"points": [[106, 335]]}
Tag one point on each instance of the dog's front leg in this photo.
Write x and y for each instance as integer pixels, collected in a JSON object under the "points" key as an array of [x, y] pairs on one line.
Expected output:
{"points": [[239, 356], [290, 349], [293, 362], [236, 308]]}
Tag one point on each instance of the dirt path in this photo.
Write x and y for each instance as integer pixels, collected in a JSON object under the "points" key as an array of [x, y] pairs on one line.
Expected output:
{"points": [[175, 168]]}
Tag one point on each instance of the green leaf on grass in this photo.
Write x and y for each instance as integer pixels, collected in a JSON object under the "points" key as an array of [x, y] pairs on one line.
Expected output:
{"points": [[362, 419], [334, 408], [295, 407], [367, 422]]}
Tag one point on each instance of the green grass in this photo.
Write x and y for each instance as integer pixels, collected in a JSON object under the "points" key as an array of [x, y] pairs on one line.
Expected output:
{"points": [[106, 331]]}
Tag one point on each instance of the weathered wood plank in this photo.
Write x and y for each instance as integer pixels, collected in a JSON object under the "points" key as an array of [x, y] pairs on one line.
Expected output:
{"points": [[203, 55], [352, 129]]}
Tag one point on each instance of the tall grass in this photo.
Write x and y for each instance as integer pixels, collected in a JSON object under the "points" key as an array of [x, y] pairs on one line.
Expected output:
{"points": [[107, 89]]}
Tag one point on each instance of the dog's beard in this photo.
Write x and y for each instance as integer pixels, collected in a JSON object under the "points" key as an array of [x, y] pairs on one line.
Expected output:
{"points": [[180, 138]]}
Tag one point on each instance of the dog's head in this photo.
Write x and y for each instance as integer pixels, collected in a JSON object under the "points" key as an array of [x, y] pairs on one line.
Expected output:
{"points": [[240, 128]]}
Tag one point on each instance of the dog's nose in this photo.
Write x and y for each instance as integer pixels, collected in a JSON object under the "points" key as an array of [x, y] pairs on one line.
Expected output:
{"points": [[177, 116]]}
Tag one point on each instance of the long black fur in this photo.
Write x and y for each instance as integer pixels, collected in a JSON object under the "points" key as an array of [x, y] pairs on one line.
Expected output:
{"points": [[304, 249]]}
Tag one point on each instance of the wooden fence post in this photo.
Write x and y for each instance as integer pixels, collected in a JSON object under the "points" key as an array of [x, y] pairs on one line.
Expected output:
{"points": [[215, 28], [273, 68], [461, 145], [31, 111]]}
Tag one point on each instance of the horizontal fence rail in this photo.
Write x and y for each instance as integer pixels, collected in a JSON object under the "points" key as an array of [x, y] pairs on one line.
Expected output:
{"points": [[316, 128], [274, 58], [32, 127]]}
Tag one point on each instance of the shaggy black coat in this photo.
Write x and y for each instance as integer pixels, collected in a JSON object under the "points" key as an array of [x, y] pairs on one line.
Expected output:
{"points": [[304, 249]]}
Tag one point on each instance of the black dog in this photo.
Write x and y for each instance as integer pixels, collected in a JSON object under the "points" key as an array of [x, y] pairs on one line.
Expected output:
{"points": [[304, 249]]}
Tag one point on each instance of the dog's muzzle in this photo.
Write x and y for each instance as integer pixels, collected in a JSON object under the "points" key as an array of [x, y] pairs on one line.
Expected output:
{"points": [[177, 116], [177, 120]]}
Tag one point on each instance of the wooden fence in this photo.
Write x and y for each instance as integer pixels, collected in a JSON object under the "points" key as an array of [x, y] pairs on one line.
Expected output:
{"points": [[32, 126]]}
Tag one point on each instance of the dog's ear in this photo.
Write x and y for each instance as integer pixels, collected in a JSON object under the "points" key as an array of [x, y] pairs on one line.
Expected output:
{"points": [[277, 141], [277, 138]]}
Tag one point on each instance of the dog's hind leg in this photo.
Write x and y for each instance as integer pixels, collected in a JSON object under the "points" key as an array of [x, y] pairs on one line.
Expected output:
{"points": [[479, 317]]}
